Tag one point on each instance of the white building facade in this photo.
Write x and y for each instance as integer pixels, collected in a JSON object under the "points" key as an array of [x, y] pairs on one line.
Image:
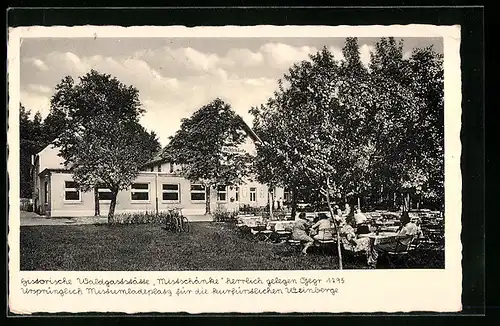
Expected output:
{"points": [[159, 187]]}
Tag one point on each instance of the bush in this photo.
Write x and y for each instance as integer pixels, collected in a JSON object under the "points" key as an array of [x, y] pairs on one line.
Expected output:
{"points": [[250, 210], [221, 214], [141, 218], [279, 214], [26, 205]]}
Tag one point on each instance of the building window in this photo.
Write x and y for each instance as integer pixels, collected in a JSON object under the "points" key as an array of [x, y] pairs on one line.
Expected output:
{"points": [[253, 194], [171, 167], [237, 196], [170, 192], [104, 193], [46, 193], [197, 192], [71, 192], [140, 192], [221, 193]]}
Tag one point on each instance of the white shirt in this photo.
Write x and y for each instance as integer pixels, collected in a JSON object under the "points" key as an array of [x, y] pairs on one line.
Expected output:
{"points": [[360, 218]]}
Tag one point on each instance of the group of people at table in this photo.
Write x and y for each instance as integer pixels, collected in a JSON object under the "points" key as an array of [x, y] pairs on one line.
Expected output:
{"points": [[354, 230]]}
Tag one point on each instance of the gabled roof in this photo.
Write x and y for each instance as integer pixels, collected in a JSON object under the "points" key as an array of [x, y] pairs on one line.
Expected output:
{"points": [[248, 130], [49, 170], [51, 144]]}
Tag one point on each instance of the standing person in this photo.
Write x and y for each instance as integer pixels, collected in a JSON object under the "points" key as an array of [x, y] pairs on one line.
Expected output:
{"points": [[300, 232], [347, 210]]}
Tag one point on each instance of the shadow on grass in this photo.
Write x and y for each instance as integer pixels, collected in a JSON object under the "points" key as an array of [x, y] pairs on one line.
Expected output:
{"points": [[209, 246]]}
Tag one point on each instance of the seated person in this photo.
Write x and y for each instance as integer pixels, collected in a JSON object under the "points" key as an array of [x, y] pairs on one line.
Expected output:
{"points": [[347, 211], [406, 233], [359, 217], [299, 232], [408, 227], [351, 242], [337, 215], [324, 227], [361, 222]]}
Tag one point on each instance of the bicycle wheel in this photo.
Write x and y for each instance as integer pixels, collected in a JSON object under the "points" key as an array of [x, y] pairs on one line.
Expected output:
{"points": [[168, 223], [185, 224], [178, 224]]}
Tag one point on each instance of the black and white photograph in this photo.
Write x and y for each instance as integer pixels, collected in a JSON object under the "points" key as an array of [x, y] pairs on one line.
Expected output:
{"points": [[234, 153]]}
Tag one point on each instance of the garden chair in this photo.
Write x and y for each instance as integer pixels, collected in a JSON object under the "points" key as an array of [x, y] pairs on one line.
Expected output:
{"points": [[265, 235], [353, 255], [328, 241], [296, 244], [433, 239], [282, 234], [398, 249], [324, 244]]}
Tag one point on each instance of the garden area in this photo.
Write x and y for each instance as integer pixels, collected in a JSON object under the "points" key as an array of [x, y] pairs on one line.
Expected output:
{"points": [[148, 247]]}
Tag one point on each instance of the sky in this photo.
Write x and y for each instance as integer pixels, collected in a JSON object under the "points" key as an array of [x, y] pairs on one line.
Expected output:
{"points": [[176, 76]]}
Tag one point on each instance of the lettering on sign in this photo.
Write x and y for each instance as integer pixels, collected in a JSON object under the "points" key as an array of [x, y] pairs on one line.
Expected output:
{"points": [[230, 149]]}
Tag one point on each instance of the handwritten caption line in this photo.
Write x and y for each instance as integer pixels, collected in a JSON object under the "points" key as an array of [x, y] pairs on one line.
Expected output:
{"points": [[223, 286]]}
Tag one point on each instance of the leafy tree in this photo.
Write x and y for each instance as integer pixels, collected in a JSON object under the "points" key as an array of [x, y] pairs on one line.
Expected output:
{"points": [[428, 82], [54, 125], [27, 147], [201, 146], [301, 128], [388, 60], [109, 154], [150, 141], [342, 129], [103, 142], [30, 141], [409, 123]]}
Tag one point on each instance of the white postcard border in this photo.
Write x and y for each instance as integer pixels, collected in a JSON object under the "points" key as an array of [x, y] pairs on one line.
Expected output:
{"points": [[363, 290]]}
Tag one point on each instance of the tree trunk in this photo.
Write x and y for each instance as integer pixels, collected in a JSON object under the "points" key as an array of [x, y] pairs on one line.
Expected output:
{"points": [[112, 206], [271, 203], [97, 208], [207, 201], [337, 231], [294, 202], [406, 202], [273, 197], [359, 203]]}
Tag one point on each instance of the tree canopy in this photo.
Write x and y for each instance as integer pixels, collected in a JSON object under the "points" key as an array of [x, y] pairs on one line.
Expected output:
{"points": [[203, 146], [102, 143], [354, 127]]}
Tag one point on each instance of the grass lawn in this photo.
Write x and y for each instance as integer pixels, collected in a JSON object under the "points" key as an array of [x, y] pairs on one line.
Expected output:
{"points": [[209, 246]]}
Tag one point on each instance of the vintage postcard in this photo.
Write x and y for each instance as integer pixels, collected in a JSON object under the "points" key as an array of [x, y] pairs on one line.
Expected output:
{"points": [[234, 169]]}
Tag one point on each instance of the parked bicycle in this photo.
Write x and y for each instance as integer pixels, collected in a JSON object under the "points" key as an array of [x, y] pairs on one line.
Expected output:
{"points": [[176, 221]]}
